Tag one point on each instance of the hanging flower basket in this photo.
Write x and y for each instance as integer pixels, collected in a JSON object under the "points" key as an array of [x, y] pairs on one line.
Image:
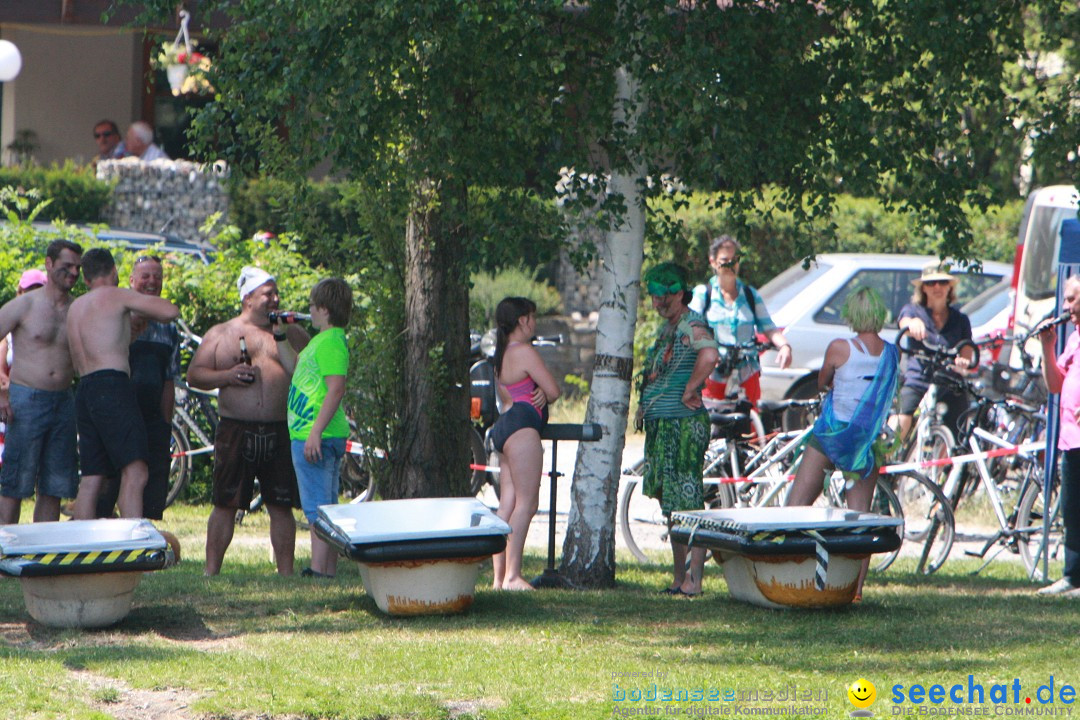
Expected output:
{"points": [[176, 74], [186, 69]]}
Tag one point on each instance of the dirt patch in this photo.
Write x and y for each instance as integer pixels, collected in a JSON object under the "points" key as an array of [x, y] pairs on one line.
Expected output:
{"points": [[471, 708], [118, 700], [18, 635]]}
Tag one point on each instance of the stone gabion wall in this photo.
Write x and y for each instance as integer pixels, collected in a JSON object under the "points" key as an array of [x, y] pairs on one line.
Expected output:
{"points": [[175, 195]]}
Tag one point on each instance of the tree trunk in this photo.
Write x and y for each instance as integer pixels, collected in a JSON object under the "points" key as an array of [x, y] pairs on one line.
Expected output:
{"points": [[589, 549], [431, 459]]}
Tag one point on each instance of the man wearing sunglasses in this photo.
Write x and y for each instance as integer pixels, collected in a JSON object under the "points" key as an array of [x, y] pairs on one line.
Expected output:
{"points": [[736, 313], [109, 144]]}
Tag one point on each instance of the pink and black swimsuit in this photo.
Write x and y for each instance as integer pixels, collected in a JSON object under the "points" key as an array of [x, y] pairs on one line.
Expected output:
{"points": [[522, 414]]}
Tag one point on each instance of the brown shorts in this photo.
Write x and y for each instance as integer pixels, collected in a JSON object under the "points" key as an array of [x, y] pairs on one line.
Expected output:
{"points": [[246, 450]]}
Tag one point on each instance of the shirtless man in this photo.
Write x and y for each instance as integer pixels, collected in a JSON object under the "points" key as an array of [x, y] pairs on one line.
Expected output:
{"points": [[112, 436], [252, 436], [39, 407]]}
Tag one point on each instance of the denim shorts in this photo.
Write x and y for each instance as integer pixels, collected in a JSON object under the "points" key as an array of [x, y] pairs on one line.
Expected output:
{"points": [[319, 483], [39, 452]]}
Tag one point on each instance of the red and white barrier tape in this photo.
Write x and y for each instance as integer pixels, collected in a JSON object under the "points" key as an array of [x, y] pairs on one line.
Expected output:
{"points": [[962, 459], [495, 469], [351, 446], [903, 467]]}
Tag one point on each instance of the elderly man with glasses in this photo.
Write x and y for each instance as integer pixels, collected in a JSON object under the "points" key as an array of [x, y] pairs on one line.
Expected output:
{"points": [[109, 144], [736, 313]]}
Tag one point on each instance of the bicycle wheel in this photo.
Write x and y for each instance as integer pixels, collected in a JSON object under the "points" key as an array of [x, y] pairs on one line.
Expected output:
{"points": [[179, 464], [720, 463], [356, 479], [928, 520], [1029, 526], [479, 456], [625, 498], [938, 443], [884, 502]]}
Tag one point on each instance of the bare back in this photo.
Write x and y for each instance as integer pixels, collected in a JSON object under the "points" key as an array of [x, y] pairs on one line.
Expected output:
{"points": [[99, 326], [40, 338], [262, 400]]}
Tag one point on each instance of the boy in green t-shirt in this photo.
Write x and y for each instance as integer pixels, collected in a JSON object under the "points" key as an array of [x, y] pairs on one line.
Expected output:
{"points": [[317, 424]]}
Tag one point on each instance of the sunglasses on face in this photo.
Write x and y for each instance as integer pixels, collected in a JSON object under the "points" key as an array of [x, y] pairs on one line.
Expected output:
{"points": [[656, 288], [936, 283], [728, 263], [99, 135]]}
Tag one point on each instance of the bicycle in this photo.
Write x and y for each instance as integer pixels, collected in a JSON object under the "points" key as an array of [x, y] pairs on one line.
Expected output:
{"points": [[766, 482], [1020, 531]]}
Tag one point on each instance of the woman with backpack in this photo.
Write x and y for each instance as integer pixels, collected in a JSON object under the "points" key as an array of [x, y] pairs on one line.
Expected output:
{"points": [[736, 313]]}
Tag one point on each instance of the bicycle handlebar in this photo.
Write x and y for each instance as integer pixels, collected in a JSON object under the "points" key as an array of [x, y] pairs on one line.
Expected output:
{"points": [[937, 356]]}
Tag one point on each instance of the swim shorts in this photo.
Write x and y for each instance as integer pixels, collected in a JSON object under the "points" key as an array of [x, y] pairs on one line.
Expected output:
{"points": [[111, 430]]}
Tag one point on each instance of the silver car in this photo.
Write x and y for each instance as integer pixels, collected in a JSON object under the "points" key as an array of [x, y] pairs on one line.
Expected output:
{"points": [[806, 304]]}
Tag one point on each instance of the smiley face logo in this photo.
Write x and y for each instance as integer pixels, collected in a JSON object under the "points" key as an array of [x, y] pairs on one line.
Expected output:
{"points": [[862, 695]]}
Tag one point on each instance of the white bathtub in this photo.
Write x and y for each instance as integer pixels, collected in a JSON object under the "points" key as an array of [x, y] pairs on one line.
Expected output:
{"points": [[81, 573], [417, 557], [783, 557]]}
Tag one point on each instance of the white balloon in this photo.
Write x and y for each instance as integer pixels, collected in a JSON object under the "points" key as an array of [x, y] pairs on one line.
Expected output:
{"points": [[10, 61]]}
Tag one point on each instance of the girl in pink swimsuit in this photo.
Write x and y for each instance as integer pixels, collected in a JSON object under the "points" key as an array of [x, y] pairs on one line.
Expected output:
{"points": [[526, 385]]}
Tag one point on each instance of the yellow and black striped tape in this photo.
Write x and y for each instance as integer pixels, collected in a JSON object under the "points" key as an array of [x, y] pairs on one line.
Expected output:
{"points": [[89, 557]]}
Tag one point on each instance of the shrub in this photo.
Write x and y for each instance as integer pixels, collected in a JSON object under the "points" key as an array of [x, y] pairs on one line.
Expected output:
{"points": [[488, 289], [772, 242], [77, 196]]}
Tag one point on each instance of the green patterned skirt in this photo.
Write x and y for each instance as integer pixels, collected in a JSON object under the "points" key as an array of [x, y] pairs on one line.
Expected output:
{"points": [[674, 455]]}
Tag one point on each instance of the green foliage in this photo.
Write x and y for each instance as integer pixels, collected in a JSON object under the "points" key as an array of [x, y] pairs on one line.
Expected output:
{"points": [[488, 289], [331, 221], [772, 242], [76, 194]]}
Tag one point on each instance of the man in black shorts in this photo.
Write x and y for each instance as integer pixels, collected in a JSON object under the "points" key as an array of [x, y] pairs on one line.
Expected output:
{"points": [[154, 358], [253, 437], [112, 436]]}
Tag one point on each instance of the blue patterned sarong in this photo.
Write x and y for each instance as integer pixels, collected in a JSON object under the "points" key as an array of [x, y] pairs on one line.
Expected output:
{"points": [[850, 445]]}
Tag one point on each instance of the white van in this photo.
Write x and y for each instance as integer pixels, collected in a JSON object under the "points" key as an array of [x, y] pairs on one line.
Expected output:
{"points": [[1036, 263]]}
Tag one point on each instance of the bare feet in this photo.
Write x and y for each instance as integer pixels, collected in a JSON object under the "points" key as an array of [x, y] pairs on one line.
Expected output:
{"points": [[689, 587], [517, 584]]}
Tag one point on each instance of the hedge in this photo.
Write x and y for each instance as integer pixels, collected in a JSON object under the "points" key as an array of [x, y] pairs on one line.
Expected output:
{"points": [[771, 242], [77, 195]]}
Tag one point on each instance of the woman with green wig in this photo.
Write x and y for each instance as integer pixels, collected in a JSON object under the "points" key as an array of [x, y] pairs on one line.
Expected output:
{"points": [[862, 372], [675, 420]]}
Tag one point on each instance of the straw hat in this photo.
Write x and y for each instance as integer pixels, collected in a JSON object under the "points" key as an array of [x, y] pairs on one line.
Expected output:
{"points": [[935, 271]]}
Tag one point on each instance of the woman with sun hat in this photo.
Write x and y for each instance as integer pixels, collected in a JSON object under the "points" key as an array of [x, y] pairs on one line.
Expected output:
{"points": [[933, 316]]}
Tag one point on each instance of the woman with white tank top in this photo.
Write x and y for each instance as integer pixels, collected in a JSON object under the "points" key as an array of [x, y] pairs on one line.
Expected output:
{"points": [[862, 373]]}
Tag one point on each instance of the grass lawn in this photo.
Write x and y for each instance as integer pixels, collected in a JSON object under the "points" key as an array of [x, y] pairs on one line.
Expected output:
{"points": [[248, 644]]}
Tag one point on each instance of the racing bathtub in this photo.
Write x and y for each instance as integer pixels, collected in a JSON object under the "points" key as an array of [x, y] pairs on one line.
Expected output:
{"points": [[784, 557], [81, 573], [416, 557]]}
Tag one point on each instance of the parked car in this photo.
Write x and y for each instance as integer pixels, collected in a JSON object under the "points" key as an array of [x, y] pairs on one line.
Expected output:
{"points": [[162, 243], [806, 304]]}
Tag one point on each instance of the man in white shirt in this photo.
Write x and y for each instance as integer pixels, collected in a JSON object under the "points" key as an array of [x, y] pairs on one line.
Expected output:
{"points": [[140, 143]]}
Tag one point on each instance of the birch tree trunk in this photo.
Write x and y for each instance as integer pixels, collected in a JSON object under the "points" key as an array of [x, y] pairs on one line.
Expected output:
{"points": [[588, 558]]}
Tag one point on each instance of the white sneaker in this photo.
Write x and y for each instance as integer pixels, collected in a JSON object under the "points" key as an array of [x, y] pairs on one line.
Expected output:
{"points": [[1061, 586]]}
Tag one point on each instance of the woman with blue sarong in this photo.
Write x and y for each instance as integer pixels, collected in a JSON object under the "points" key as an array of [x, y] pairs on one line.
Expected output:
{"points": [[862, 374]]}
